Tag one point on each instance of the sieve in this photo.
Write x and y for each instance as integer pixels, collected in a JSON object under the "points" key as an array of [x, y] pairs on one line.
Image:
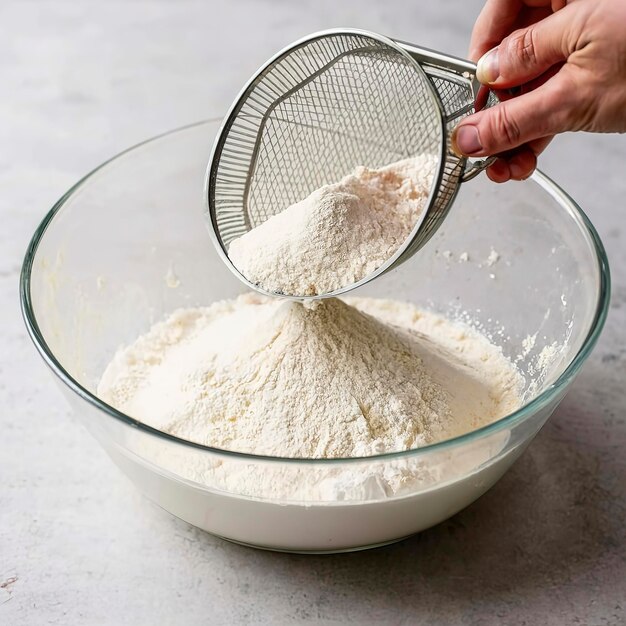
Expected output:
{"points": [[327, 103]]}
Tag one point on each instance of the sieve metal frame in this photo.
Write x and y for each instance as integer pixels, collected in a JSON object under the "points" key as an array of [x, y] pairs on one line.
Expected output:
{"points": [[431, 65]]}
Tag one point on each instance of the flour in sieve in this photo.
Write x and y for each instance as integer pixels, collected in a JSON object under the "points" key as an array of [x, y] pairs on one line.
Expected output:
{"points": [[340, 233]]}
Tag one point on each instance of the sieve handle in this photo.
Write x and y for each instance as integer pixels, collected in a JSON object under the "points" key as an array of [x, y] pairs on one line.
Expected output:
{"points": [[475, 167], [445, 65], [433, 58]]}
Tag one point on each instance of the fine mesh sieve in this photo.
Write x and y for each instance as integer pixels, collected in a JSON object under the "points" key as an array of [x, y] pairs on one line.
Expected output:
{"points": [[324, 105]]}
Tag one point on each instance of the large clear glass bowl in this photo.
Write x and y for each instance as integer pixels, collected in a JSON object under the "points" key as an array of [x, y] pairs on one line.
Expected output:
{"points": [[128, 244]]}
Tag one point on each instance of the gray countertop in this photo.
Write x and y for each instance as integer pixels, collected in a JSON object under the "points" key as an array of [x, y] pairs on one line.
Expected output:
{"points": [[80, 81]]}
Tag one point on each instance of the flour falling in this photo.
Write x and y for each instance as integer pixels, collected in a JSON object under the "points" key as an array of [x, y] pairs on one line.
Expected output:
{"points": [[340, 233]]}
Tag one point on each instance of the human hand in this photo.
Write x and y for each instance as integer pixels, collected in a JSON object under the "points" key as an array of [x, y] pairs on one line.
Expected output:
{"points": [[567, 60]]}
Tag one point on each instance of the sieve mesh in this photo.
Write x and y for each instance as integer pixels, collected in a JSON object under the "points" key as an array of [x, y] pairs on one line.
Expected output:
{"points": [[314, 115], [326, 105]]}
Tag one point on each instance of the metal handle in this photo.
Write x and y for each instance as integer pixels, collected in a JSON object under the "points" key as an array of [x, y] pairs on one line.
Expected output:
{"points": [[461, 72], [473, 168], [433, 58]]}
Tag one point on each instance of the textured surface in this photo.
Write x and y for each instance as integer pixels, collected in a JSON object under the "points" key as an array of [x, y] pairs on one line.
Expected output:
{"points": [[359, 222], [83, 80]]}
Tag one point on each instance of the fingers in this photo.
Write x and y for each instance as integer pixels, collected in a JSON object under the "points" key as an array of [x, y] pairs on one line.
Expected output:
{"points": [[495, 21], [545, 111], [499, 18], [525, 59], [526, 53], [539, 145], [517, 164], [514, 92]]}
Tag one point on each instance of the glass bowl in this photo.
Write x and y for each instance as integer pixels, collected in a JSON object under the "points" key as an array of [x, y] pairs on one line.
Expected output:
{"points": [[128, 244]]}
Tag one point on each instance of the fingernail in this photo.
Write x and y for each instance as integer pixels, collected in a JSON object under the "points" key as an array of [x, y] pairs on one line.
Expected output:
{"points": [[465, 140], [488, 68]]}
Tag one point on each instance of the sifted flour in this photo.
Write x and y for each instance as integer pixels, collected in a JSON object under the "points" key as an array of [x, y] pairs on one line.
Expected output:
{"points": [[335, 379], [340, 233], [342, 379]]}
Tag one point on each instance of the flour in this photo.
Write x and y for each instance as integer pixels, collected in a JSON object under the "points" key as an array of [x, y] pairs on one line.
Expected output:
{"points": [[340, 233], [493, 258], [272, 377], [541, 365], [528, 344], [336, 379]]}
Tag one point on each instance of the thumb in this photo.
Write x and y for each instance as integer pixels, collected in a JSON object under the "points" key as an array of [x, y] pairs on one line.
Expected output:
{"points": [[548, 110], [527, 53]]}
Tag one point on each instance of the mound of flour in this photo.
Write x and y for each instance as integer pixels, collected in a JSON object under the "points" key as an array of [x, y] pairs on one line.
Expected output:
{"points": [[340, 233], [274, 377]]}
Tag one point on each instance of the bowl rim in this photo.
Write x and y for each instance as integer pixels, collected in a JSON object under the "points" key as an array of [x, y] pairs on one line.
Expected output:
{"points": [[544, 398]]}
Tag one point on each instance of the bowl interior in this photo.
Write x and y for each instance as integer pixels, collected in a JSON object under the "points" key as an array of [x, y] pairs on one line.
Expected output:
{"points": [[129, 244]]}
